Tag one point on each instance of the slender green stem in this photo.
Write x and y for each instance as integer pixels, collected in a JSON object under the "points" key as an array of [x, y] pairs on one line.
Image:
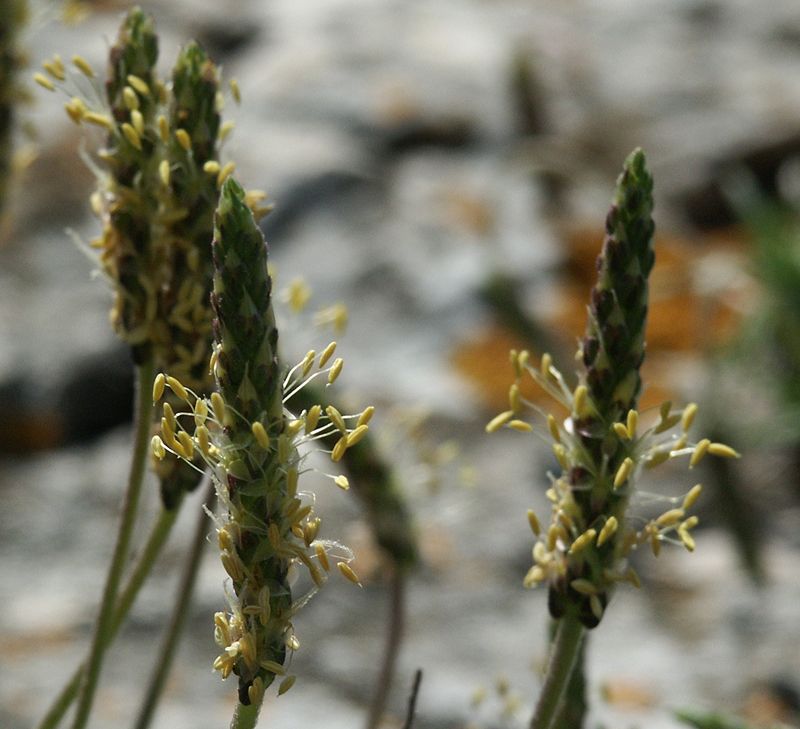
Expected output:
{"points": [[394, 635], [180, 610], [245, 717], [152, 548], [105, 620], [562, 659]]}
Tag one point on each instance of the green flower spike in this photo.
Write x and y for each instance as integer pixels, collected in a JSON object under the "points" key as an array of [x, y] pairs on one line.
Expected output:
{"points": [[601, 447], [245, 436], [130, 255], [188, 200]]}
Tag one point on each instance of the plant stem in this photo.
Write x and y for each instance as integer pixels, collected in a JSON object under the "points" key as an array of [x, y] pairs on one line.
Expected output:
{"points": [[562, 659], [152, 548], [105, 621], [245, 717], [180, 610], [394, 635]]}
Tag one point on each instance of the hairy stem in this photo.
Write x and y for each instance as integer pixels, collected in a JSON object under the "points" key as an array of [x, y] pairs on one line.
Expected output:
{"points": [[105, 621], [394, 636], [563, 655], [152, 548], [180, 611], [245, 717]]}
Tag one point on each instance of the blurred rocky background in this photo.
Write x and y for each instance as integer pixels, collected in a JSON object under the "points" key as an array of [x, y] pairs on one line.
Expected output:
{"points": [[443, 169]]}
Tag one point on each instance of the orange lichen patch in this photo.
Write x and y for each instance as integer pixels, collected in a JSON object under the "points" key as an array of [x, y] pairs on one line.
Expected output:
{"points": [[683, 314], [470, 212], [483, 361], [627, 695]]}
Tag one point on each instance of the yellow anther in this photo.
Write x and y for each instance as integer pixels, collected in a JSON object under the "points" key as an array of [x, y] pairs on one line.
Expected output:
{"points": [[335, 370], [203, 440], [169, 414], [186, 443], [545, 365], [357, 435], [583, 586], [656, 459], [580, 401], [157, 446], [286, 684], [158, 386], [688, 416], [621, 430], [348, 573], [514, 398], [336, 418], [339, 449], [184, 139], [632, 423], [690, 523], [310, 530], [100, 120], [633, 578], [178, 388], [131, 135], [293, 427], [583, 541], [225, 540], [232, 565], [623, 472], [327, 353], [138, 122], [666, 423], [55, 68], [219, 408], [670, 518], [235, 91], [533, 520], [608, 530], [561, 455], [535, 575], [255, 691], [498, 421], [224, 173], [163, 128], [44, 82], [552, 426], [687, 539], [260, 434], [655, 543], [699, 451], [273, 667], [322, 556], [211, 167], [664, 409], [366, 415], [312, 418], [83, 66], [520, 425], [163, 172], [225, 129], [342, 482], [75, 109], [308, 362], [722, 450], [691, 497], [139, 84]]}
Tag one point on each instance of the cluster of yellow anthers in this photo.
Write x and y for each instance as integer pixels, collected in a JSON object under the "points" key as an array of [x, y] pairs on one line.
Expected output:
{"points": [[202, 429], [87, 105], [568, 534]]}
